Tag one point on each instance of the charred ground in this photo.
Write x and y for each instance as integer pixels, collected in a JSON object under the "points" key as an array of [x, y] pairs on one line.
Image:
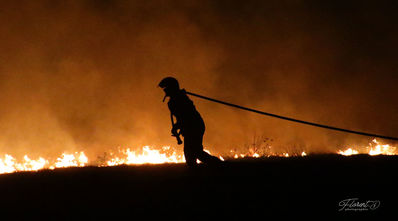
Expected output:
{"points": [[242, 188]]}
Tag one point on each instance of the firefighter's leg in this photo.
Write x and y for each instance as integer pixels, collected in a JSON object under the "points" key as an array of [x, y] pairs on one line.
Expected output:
{"points": [[208, 159], [189, 151], [203, 156]]}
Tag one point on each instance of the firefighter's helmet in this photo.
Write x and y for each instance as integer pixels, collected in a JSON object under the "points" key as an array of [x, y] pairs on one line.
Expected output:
{"points": [[169, 83]]}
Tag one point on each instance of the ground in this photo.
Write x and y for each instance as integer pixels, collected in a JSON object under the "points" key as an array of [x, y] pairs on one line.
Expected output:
{"points": [[255, 188]]}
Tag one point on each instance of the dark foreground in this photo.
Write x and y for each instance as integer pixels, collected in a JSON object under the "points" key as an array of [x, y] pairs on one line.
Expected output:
{"points": [[302, 186]]}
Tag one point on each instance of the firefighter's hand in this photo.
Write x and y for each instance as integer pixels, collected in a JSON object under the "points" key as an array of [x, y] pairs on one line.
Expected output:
{"points": [[174, 130]]}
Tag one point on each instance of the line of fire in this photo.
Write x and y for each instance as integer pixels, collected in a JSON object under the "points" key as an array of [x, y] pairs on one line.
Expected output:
{"points": [[166, 154]]}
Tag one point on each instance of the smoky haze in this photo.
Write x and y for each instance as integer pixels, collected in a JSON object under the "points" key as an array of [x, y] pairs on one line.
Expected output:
{"points": [[83, 75]]}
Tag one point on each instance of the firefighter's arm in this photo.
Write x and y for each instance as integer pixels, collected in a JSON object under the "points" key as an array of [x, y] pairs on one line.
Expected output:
{"points": [[176, 126]]}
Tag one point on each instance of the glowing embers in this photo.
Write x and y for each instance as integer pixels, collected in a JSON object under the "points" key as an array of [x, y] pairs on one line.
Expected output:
{"points": [[374, 148], [254, 154]]}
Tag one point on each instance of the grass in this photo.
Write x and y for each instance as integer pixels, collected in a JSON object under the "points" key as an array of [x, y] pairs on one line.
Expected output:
{"points": [[241, 188]]}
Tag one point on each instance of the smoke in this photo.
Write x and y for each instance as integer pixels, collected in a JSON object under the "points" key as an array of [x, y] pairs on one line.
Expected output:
{"points": [[82, 75]]}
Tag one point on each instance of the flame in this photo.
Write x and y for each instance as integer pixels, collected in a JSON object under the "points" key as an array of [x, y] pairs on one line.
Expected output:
{"points": [[148, 155], [69, 160], [374, 148], [348, 152], [9, 164]]}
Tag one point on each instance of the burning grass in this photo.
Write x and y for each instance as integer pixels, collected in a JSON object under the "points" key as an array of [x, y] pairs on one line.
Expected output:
{"points": [[259, 148]]}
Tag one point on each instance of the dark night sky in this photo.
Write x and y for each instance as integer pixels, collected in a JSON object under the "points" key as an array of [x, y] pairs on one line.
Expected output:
{"points": [[83, 74]]}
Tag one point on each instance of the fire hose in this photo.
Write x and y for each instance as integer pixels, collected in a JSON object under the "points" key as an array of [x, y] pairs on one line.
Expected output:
{"points": [[292, 119]]}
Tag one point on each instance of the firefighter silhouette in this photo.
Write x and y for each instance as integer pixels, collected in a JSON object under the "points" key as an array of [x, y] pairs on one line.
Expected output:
{"points": [[188, 123]]}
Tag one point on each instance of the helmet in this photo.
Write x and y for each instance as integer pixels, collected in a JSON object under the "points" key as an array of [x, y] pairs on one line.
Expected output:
{"points": [[170, 83]]}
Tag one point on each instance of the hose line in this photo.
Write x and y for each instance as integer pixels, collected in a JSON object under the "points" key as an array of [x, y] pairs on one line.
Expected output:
{"points": [[292, 119]]}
